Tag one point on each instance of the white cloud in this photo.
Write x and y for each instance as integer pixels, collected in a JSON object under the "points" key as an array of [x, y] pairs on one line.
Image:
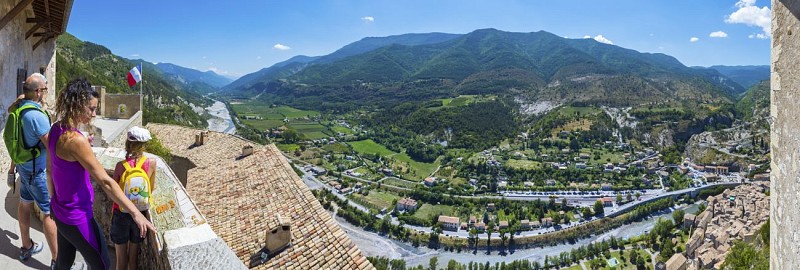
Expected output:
{"points": [[758, 36], [135, 55], [751, 15], [694, 39], [368, 19], [216, 70], [281, 47], [258, 57], [718, 34], [600, 38], [661, 48]]}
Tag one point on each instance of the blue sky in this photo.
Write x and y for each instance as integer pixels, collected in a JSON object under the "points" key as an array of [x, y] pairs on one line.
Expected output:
{"points": [[235, 38]]}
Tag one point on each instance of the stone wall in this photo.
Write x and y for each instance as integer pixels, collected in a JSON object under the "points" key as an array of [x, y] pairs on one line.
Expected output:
{"points": [[18, 57], [117, 136], [785, 138], [119, 105]]}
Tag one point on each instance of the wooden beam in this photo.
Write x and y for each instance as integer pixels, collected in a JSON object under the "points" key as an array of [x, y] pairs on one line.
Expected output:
{"points": [[35, 27], [35, 20], [41, 41], [42, 34], [14, 12]]}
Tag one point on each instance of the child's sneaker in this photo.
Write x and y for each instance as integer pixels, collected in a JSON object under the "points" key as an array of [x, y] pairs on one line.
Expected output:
{"points": [[25, 253]]}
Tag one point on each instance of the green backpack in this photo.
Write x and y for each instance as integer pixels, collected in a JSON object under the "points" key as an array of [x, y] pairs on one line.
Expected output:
{"points": [[13, 137]]}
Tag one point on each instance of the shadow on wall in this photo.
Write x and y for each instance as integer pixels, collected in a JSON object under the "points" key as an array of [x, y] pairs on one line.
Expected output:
{"points": [[181, 166], [793, 6]]}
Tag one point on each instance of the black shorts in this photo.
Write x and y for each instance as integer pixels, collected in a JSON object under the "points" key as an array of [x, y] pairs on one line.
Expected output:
{"points": [[123, 229]]}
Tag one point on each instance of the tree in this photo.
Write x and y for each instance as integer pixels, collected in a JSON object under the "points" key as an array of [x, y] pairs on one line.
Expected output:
{"points": [[586, 212], [433, 262], [667, 248], [598, 209], [678, 217], [628, 197], [745, 256], [638, 195], [619, 199], [634, 257], [503, 238], [453, 265]]}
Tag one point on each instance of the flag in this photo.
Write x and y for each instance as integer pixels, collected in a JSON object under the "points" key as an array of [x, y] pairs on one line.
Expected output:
{"points": [[135, 75]]}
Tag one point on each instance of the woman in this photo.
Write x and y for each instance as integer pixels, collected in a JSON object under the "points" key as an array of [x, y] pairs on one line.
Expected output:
{"points": [[70, 163], [123, 232]]}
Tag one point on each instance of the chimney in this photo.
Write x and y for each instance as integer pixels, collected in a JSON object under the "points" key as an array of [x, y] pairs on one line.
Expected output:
{"points": [[201, 138], [279, 237], [247, 150]]}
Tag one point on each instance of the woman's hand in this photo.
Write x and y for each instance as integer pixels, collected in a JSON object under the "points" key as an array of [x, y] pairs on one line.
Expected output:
{"points": [[143, 224]]}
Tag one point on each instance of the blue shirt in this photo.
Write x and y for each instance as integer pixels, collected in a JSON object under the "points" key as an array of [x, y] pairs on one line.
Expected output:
{"points": [[34, 125]]}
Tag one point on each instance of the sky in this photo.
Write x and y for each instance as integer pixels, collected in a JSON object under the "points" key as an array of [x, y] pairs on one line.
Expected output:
{"points": [[234, 38]]}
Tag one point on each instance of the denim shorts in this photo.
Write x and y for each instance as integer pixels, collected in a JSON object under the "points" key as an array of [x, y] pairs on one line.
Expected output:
{"points": [[34, 189]]}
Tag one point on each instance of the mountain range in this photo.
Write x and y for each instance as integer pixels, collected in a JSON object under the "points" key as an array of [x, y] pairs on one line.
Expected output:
{"points": [[746, 76], [532, 67], [188, 75]]}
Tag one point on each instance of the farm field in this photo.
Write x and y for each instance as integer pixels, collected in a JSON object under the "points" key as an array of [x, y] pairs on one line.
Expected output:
{"points": [[427, 211]]}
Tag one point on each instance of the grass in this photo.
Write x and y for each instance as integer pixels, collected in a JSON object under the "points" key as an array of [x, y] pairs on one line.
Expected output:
{"points": [[574, 267], [381, 199], [269, 112], [290, 112], [458, 101], [659, 109], [570, 111], [626, 262], [523, 164], [464, 100], [311, 130], [418, 170], [342, 130], [370, 147], [428, 211], [337, 148], [615, 158], [399, 183], [263, 124], [288, 147]]}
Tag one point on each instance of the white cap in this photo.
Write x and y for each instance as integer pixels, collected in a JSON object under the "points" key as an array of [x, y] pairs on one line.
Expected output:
{"points": [[138, 134]]}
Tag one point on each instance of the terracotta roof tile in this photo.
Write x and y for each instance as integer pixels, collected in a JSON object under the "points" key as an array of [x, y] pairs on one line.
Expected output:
{"points": [[241, 195]]}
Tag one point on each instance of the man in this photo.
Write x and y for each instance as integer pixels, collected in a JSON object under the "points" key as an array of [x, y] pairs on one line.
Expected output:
{"points": [[33, 188]]}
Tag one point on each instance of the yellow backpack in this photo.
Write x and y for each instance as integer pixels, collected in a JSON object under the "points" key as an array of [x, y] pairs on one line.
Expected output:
{"points": [[135, 183]]}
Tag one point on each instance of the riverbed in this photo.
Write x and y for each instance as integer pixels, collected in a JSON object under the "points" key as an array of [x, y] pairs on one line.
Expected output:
{"points": [[372, 244], [220, 120]]}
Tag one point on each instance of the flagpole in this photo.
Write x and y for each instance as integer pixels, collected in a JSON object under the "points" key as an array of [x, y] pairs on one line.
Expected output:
{"points": [[141, 73]]}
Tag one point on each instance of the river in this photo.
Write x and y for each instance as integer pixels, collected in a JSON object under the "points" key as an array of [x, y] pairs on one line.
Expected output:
{"points": [[220, 120], [372, 244]]}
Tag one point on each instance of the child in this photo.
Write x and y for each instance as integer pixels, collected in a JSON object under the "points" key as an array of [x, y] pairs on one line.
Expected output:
{"points": [[124, 232]]}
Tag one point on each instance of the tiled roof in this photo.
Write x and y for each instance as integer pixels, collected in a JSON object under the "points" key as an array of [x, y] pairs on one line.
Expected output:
{"points": [[240, 197], [447, 219]]}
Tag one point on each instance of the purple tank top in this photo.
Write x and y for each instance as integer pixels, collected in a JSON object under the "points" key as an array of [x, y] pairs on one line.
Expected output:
{"points": [[73, 195]]}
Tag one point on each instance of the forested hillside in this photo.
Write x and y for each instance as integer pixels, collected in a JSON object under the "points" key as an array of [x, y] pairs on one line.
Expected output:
{"points": [[165, 100]]}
